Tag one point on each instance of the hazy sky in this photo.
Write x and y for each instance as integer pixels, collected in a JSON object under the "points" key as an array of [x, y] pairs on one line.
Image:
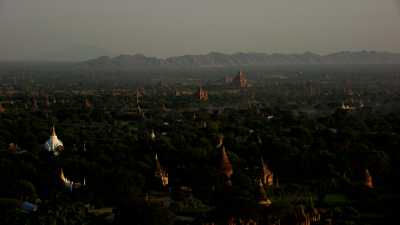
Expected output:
{"points": [[75, 29]]}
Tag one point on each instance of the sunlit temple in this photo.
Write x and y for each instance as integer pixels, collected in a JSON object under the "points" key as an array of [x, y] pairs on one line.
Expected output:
{"points": [[267, 177], [368, 179], [263, 199], [240, 80], [69, 183], [161, 173], [220, 142], [347, 107], [201, 94], [153, 135], [54, 145], [226, 166]]}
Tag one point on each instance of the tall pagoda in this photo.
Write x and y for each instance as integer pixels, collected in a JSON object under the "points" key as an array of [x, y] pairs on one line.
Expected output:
{"points": [[240, 80]]}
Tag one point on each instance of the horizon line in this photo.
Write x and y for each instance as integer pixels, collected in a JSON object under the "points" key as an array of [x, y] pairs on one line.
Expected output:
{"points": [[183, 55]]}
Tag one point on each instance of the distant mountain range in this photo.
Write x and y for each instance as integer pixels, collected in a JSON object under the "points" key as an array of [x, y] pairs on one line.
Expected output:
{"points": [[242, 59]]}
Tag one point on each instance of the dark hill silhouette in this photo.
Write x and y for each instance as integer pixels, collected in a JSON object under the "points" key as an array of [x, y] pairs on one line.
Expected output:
{"points": [[220, 59]]}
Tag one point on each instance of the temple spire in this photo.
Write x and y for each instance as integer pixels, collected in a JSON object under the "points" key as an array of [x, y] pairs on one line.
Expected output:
{"points": [[220, 141], [161, 173], [53, 132], [152, 135], [266, 174], [226, 166], [368, 179], [158, 165]]}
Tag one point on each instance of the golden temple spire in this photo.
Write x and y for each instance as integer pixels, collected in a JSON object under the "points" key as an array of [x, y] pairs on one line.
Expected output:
{"points": [[161, 173], [226, 166], [368, 179], [53, 131]]}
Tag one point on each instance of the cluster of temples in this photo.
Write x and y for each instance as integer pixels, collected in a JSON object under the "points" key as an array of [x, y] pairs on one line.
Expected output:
{"points": [[262, 174]]}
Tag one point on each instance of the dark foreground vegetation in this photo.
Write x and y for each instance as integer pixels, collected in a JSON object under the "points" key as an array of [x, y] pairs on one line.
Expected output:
{"points": [[326, 140]]}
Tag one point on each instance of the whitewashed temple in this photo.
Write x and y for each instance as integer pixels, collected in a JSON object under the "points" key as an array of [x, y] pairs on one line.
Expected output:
{"points": [[54, 145]]}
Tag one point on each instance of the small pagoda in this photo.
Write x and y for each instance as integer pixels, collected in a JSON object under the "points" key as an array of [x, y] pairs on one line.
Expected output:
{"points": [[267, 177], [201, 95], [368, 180], [262, 197]]}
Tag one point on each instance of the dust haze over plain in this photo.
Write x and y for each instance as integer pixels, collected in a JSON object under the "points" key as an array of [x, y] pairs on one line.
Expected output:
{"points": [[80, 29]]}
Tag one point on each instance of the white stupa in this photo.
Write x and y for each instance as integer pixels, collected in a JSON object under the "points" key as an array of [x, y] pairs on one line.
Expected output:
{"points": [[54, 145]]}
